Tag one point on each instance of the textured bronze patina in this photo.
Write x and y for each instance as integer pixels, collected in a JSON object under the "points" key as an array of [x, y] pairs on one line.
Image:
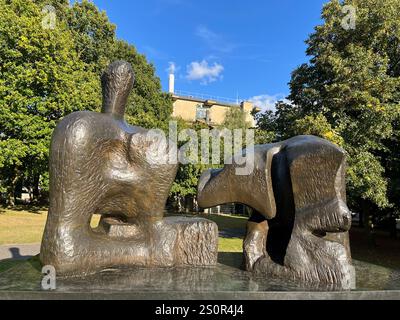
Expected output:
{"points": [[100, 165], [300, 227]]}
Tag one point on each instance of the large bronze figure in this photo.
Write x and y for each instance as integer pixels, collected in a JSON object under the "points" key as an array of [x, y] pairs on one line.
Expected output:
{"points": [[100, 165], [301, 221]]}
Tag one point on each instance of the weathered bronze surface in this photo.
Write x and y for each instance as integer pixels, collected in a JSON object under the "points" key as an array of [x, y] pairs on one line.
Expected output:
{"points": [[300, 228], [100, 165]]}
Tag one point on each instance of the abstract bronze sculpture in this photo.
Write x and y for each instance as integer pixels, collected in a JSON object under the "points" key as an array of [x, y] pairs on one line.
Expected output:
{"points": [[100, 165], [299, 230]]}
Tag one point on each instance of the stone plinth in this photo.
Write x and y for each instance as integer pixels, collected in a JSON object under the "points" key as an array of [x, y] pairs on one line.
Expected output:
{"points": [[194, 241], [224, 281]]}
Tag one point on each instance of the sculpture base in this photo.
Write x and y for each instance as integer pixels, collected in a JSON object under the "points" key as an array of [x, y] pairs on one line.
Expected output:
{"points": [[225, 281], [193, 241]]}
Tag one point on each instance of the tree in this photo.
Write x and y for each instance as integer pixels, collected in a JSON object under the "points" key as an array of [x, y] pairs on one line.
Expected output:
{"points": [[148, 106], [317, 125], [349, 94], [93, 33], [97, 45], [235, 118], [185, 185], [42, 79], [47, 73], [184, 188]]}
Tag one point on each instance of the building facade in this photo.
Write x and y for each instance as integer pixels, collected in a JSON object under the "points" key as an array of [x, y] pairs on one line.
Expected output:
{"points": [[202, 108]]}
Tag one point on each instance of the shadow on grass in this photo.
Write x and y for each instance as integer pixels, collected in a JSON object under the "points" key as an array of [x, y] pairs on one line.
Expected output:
{"points": [[383, 250], [226, 222], [8, 264], [232, 233], [35, 263], [27, 208]]}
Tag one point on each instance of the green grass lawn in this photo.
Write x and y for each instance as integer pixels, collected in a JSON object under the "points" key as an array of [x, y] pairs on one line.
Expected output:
{"points": [[226, 222], [230, 245], [22, 227]]}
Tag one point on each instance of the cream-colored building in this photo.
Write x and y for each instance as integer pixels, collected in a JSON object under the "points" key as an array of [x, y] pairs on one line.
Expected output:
{"points": [[202, 108]]}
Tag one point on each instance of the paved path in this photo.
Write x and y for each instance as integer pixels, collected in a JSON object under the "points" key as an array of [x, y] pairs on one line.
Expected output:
{"points": [[19, 251]]}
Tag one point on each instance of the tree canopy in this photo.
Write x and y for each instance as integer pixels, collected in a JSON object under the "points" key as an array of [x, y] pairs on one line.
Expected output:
{"points": [[348, 93], [47, 73]]}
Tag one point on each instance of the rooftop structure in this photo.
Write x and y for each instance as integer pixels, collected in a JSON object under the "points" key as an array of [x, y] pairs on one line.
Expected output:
{"points": [[212, 110]]}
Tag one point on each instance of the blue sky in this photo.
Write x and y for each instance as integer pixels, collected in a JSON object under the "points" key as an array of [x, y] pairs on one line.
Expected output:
{"points": [[222, 47]]}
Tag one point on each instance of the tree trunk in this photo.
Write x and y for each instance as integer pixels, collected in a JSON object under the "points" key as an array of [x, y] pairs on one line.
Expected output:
{"points": [[36, 191], [178, 203], [10, 202], [195, 204], [368, 223], [30, 190], [11, 188], [393, 227], [361, 223]]}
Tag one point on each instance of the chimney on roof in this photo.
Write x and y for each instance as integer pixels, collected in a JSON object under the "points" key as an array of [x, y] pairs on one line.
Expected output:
{"points": [[171, 83]]}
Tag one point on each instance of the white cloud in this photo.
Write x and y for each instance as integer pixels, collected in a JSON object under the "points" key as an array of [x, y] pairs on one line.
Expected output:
{"points": [[204, 71], [268, 102]]}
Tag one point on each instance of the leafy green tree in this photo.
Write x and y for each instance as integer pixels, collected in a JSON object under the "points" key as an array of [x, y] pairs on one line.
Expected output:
{"points": [[349, 94], [148, 106], [184, 189], [93, 33], [185, 185], [235, 118], [42, 79], [47, 73], [317, 125]]}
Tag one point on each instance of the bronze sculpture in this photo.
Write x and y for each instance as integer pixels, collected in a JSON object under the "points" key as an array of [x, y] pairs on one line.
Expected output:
{"points": [[300, 226], [99, 165]]}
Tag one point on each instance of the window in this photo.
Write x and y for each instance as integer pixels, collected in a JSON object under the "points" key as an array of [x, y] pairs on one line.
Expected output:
{"points": [[201, 113]]}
